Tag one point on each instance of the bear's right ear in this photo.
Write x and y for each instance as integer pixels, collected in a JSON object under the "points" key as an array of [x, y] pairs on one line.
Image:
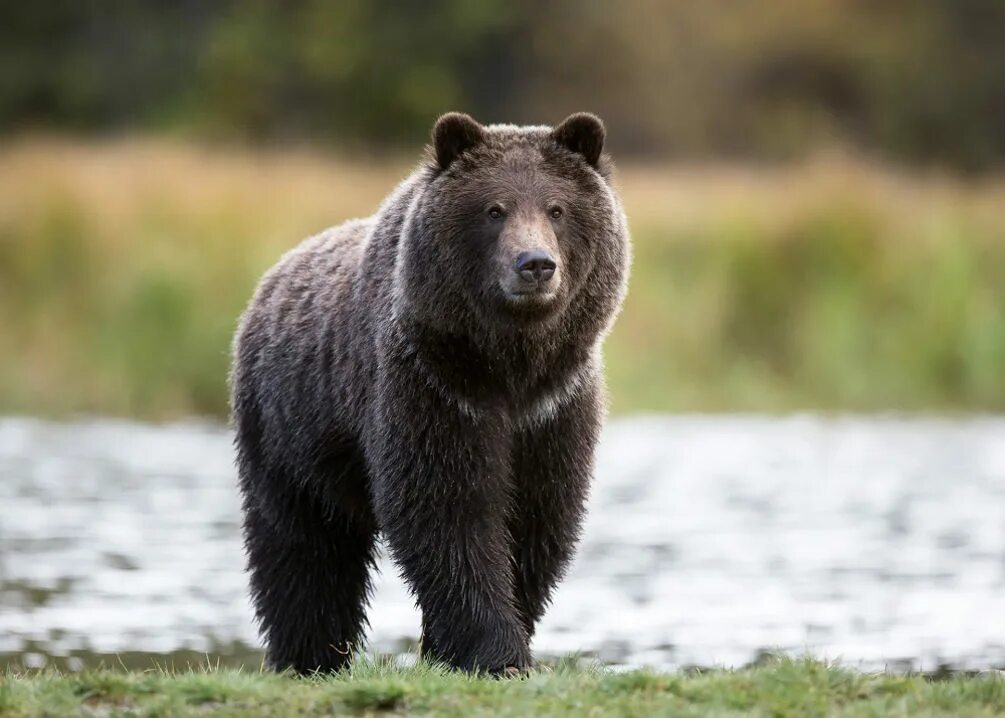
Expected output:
{"points": [[454, 133]]}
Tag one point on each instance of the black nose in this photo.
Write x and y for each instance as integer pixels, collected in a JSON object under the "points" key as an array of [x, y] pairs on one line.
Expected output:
{"points": [[535, 266]]}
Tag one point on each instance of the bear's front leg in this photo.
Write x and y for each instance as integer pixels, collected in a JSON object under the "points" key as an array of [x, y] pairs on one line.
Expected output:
{"points": [[440, 484], [552, 469]]}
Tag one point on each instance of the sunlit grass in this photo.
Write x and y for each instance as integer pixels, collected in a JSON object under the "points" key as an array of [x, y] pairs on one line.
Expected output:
{"points": [[783, 688], [833, 284]]}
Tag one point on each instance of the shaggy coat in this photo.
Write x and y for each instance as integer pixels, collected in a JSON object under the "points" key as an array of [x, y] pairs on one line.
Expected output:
{"points": [[432, 374]]}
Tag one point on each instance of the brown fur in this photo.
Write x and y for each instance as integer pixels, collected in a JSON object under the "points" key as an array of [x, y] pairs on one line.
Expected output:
{"points": [[389, 377]]}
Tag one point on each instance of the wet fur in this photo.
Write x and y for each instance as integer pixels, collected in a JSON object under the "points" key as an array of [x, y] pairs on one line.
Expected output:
{"points": [[382, 385]]}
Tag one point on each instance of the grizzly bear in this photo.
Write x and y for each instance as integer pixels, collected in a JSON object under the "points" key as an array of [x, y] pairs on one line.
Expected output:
{"points": [[432, 375]]}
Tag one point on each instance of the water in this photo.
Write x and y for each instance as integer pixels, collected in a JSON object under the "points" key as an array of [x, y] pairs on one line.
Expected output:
{"points": [[878, 542]]}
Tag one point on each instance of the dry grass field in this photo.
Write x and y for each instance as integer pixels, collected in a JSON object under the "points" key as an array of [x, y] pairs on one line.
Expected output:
{"points": [[833, 284]]}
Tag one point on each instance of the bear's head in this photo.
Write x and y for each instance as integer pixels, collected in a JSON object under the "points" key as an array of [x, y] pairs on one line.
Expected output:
{"points": [[516, 226]]}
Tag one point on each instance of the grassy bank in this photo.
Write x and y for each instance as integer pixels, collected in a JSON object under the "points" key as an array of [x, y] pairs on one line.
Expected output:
{"points": [[787, 688], [830, 285]]}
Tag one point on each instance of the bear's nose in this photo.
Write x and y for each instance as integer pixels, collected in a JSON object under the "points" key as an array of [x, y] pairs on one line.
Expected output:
{"points": [[535, 266]]}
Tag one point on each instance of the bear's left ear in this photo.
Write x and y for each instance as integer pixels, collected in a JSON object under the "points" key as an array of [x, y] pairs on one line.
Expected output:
{"points": [[583, 133], [453, 133]]}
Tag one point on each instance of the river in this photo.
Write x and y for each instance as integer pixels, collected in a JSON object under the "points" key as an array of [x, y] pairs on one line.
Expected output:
{"points": [[878, 542]]}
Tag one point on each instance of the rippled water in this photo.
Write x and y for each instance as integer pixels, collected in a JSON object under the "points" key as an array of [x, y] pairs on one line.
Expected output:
{"points": [[874, 541]]}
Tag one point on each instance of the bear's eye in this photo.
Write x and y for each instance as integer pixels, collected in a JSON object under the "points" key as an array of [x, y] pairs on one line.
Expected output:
{"points": [[495, 212], [556, 212]]}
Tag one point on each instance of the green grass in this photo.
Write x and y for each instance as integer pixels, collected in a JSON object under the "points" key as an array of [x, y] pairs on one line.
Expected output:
{"points": [[839, 310], [780, 688], [828, 285]]}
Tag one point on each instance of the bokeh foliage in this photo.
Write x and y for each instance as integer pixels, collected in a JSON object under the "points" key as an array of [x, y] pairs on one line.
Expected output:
{"points": [[794, 283], [917, 80], [830, 284]]}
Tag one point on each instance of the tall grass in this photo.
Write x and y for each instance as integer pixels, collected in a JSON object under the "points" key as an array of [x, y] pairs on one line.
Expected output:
{"points": [[833, 284]]}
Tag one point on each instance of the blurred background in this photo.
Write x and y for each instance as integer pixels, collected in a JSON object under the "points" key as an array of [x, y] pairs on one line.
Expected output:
{"points": [[816, 190]]}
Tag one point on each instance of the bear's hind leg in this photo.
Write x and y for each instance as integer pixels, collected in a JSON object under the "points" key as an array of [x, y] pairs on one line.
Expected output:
{"points": [[310, 582]]}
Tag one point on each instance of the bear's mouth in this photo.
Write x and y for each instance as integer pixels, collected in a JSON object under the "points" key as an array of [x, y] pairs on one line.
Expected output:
{"points": [[535, 295], [520, 291], [530, 304]]}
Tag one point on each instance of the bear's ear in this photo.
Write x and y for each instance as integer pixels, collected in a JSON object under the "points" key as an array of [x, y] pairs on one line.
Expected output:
{"points": [[582, 133], [453, 133]]}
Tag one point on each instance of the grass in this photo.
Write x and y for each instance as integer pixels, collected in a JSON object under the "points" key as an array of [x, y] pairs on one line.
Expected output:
{"points": [[797, 688], [834, 284]]}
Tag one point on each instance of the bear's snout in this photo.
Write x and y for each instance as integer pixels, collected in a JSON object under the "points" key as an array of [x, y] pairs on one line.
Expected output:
{"points": [[535, 267], [531, 277], [527, 260]]}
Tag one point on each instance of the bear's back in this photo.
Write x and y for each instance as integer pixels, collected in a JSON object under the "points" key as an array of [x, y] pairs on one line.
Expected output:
{"points": [[308, 282], [293, 348]]}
